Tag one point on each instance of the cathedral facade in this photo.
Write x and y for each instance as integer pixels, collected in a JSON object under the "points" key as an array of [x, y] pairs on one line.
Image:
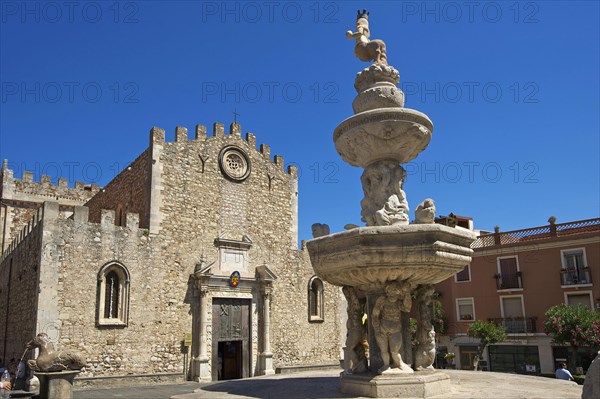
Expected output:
{"points": [[187, 262]]}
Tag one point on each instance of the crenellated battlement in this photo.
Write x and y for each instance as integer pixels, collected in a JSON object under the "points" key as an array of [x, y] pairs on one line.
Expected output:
{"points": [[80, 216], [157, 137], [23, 233], [27, 190]]}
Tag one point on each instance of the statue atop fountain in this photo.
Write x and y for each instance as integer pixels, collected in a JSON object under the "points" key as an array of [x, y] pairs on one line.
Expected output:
{"points": [[390, 260], [365, 49]]}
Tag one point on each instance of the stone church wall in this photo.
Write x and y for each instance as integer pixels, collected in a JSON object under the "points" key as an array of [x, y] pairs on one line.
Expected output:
{"points": [[128, 192], [149, 343], [295, 340], [19, 269], [200, 205]]}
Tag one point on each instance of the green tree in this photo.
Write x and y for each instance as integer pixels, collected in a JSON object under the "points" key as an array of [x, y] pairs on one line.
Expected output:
{"points": [[574, 326], [487, 333]]}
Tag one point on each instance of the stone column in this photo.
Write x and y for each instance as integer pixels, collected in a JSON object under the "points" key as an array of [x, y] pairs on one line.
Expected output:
{"points": [[266, 357], [204, 370], [200, 369]]}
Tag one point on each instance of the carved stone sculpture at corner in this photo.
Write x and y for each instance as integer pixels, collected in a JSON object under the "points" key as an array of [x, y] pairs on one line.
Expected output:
{"points": [[320, 230], [53, 360], [365, 49], [356, 332], [387, 325], [425, 212], [384, 202], [425, 352]]}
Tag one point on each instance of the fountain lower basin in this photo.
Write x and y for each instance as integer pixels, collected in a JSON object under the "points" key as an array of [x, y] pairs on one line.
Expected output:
{"points": [[368, 257]]}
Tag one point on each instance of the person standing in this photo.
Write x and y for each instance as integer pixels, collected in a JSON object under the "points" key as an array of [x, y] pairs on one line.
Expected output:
{"points": [[563, 374]]}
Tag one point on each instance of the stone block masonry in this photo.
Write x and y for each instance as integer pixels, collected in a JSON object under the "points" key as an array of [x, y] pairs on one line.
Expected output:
{"points": [[127, 193], [19, 269]]}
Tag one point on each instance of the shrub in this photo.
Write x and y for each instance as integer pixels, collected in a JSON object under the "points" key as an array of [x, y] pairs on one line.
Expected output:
{"points": [[579, 379]]}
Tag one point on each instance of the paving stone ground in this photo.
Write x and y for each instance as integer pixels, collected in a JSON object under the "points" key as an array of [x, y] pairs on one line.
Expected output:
{"points": [[325, 385]]}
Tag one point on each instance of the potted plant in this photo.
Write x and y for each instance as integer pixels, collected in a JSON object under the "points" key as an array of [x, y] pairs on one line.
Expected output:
{"points": [[449, 358]]}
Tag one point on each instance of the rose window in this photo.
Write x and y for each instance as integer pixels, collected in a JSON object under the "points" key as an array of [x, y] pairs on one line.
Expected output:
{"points": [[234, 163]]}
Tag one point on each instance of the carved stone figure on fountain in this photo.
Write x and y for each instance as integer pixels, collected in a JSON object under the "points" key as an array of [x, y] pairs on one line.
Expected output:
{"points": [[366, 49], [50, 359], [384, 202], [320, 230], [425, 212], [356, 332], [387, 325], [425, 352]]}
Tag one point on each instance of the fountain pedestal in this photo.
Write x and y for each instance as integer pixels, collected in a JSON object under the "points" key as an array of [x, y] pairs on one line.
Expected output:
{"points": [[420, 385], [56, 384]]}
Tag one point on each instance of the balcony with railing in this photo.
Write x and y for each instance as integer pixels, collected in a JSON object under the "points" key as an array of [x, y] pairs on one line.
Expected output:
{"points": [[517, 325], [576, 276], [509, 281]]}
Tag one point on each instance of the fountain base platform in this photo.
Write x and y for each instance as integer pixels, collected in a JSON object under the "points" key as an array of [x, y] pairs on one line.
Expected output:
{"points": [[420, 385]]}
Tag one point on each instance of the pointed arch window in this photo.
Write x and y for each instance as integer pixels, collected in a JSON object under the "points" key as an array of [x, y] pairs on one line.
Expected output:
{"points": [[315, 300], [113, 295]]}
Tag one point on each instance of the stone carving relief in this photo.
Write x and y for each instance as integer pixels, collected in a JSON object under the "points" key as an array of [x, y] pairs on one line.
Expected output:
{"points": [[384, 202], [425, 212], [425, 352], [53, 360], [356, 332], [387, 325], [366, 49], [376, 88]]}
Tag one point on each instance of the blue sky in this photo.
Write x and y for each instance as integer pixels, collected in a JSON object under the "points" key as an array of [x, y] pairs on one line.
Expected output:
{"points": [[511, 87]]}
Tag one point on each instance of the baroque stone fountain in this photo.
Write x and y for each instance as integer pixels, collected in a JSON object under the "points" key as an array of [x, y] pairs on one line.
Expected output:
{"points": [[391, 261]]}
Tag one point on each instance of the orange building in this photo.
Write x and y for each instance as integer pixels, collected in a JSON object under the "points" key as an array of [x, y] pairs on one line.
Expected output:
{"points": [[514, 277]]}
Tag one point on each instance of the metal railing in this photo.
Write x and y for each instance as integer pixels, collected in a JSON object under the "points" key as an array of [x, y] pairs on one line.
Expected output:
{"points": [[576, 276], [517, 325], [537, 233], [509, 281]]}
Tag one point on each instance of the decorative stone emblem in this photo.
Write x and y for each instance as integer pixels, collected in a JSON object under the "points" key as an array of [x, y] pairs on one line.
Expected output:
{"points": [[234, 279], [234, 163]]}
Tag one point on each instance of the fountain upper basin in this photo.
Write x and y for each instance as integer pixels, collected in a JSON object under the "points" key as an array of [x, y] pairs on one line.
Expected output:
{"points": [[400, 134]]}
